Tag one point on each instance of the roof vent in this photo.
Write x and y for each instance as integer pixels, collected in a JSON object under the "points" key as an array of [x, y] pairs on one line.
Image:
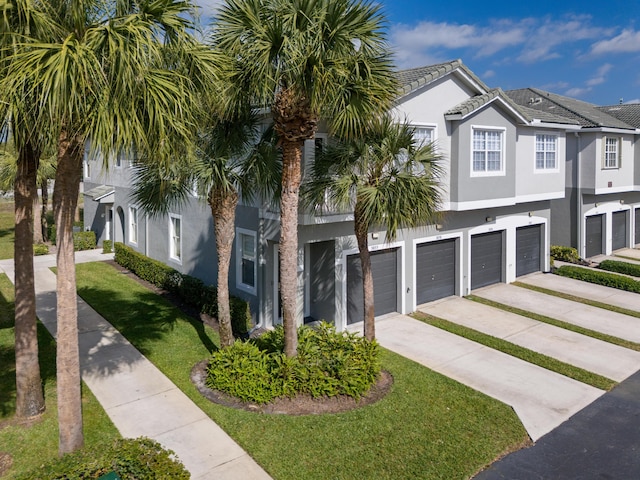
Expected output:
{"points": [[535, 101]]}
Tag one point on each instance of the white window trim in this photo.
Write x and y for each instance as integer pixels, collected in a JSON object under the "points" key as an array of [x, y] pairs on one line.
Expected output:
{"points": [[503, 156], [430, 126], [535, 152], [172, 255], [239, 252], [618, 152], [137, 229], [86, 168]]}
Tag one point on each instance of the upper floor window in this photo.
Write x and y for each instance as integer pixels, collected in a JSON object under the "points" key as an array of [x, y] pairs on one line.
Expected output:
{"points": [[546, 152], [133, 225], [423, 135], [175, 237], [487, 151], [246, 267], [87, 168], [612, 152]]}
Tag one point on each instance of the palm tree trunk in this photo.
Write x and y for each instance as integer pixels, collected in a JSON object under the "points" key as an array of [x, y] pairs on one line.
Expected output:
{"points": [[291, 177], [37, 216], [223, 208], [44, 193], [362, 236], [29, 394], [65, 198]]}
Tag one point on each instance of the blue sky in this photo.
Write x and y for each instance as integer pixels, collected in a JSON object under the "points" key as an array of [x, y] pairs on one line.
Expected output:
{"points": [[587, 50]]}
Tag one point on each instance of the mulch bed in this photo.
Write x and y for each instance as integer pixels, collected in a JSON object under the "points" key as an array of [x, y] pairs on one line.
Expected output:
{"points": [[298, 405]]}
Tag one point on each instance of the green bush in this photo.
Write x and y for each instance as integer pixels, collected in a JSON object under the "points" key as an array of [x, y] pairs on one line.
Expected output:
{"points": [[107, 246], [620, 267], [139, 459], [328, 363], [84, 240], [52, 233], [601, 278], [190, 289], [565, 254], [40, 249]]}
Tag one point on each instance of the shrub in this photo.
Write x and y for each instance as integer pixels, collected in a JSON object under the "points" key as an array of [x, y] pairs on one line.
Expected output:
{"points": [[131, 459], [107, 246], [565, 254], [328, 363], [190, 289], [84, 240], [601, 278], [52, 233], [620, 267], [40, 249]]}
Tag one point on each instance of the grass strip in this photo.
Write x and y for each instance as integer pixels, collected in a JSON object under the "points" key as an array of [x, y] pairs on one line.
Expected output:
{"points": [[427, 427], [621, 342], [517, 351], [586, 301], [31, 445]]}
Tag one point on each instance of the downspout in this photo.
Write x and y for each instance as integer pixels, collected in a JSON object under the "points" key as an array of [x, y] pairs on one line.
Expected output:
{"points": [[579, 193], [146, 235]]}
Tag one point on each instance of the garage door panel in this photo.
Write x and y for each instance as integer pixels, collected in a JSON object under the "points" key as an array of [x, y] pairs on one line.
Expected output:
{"points": [[593, 235], [528, 241], [486, 259], [384, 267], [435, 270], [619, 230]]}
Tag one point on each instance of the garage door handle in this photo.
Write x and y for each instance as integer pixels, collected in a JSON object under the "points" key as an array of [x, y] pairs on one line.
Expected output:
{"points": [[433, 277]]}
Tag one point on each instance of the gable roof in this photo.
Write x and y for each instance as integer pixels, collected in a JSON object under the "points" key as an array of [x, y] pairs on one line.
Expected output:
{"points": [[414, 78], [586, 114], [473, 104], [628, 113]]}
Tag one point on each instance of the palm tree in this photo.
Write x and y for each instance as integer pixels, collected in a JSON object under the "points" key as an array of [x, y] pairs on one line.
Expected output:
{"points": [[306, 60], [228, 164], [113, 72], [19, 18], [386, 179]]}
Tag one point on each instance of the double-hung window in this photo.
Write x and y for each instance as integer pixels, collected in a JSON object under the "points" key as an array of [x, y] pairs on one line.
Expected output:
{"points": [[133, 225], [423, 135], [612, 151], [175, 237], [246, 264], [487, 151], [546, 152]]}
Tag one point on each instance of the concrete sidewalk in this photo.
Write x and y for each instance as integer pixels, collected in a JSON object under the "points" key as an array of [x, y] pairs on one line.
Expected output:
{"points": [[541, 398], [611, 361], [138, 398]]}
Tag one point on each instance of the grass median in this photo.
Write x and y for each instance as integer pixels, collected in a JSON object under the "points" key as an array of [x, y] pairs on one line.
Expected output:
{"points": [[428, 427]]}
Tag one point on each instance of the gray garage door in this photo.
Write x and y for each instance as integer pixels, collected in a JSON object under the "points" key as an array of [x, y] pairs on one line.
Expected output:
{"points": [[594, 235], [528, 249], [435, 270], [637, 228], [619, 230], [486, 259], [384, 265]]}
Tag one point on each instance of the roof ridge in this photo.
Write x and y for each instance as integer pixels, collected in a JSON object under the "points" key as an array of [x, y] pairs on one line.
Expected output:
{"points": [[537, 92]]}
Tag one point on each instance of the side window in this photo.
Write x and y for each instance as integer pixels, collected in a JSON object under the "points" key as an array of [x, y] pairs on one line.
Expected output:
{"points": [[175, 237], [246, 260], [133, 225], [546, 152]]}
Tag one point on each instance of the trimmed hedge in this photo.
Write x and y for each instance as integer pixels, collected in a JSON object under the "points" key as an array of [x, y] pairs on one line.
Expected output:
{"points": [[84, 240], [620, 267], [328, 363], [190, 289], [40, 249], [565, 254], [107, 246], [601, 278], [131, 459]]}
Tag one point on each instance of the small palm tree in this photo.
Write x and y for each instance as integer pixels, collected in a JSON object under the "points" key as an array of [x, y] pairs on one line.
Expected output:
{"points": [[386, 179], [306, 60], [123, 74], [228, 164]]}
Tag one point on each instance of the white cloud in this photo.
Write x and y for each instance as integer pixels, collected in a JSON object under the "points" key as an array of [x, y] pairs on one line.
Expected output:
{"points": [[208, 8], [577, 91], [489, 74], [600, 76], [635, 100], [626, 42]]}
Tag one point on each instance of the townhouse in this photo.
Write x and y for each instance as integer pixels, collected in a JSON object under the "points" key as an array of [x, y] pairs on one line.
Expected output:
{"points": [[506, 164], [600, 211]]}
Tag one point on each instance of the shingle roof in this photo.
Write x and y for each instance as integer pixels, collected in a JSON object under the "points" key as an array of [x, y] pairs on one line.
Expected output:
{"points": [[474, 103], [414, 78], [628, 113], [586, 114]]}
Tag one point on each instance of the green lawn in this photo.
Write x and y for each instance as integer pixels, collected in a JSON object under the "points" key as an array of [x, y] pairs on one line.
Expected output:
{"points": [[7, 227], [428, 427], [32, 446]]}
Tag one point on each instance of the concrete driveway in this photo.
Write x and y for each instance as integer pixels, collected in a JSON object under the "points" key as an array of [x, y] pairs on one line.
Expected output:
{"points": [[542, 399]]}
